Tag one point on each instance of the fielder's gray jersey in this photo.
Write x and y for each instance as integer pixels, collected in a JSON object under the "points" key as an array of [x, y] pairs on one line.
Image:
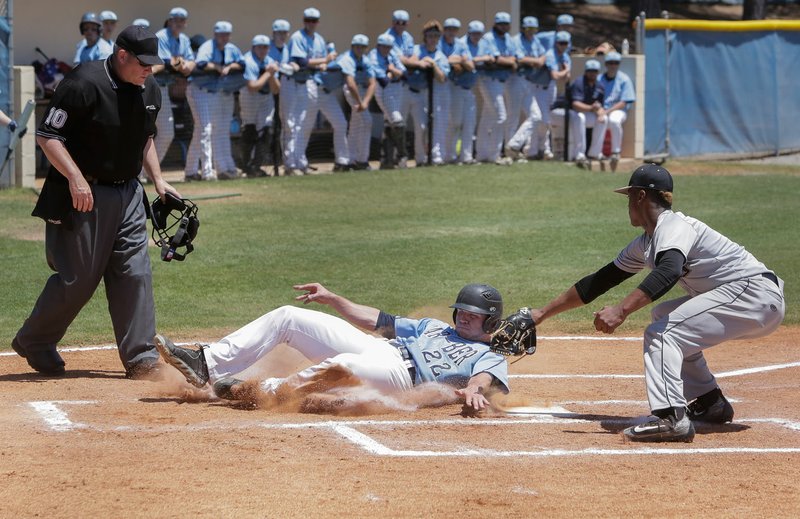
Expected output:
{"points": [[711, 258]]}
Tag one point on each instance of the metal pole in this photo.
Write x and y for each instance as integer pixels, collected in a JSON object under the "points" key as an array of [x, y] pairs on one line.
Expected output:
{"points": [[430, 117], [12, 177], [667, 34]]}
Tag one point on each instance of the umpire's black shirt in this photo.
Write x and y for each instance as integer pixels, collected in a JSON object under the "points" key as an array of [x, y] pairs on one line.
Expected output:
{"points": [[103, 122]]}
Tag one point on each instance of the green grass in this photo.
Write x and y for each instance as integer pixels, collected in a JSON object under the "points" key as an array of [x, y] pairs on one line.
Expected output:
{"points": [[407, 240]]}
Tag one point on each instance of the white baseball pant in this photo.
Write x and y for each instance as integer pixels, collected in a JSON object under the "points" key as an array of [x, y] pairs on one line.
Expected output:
{"points": [[419, 111], [578, 122], [222, 113], [286, 102], [615, 121], [675, 369], [531, 124], [165, 124], [360, 132], [390, 101], [545, 97], [256, 108], [463, 118], [332, 110], [515, 94], [493, 120], [324, 339], [200, 102]]}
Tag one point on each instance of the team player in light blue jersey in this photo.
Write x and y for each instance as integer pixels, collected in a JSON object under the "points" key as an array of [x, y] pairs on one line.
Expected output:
{"points": [[389, 75], [308, 57], [619, 95], [463, 115], [404, 47], [495, 45], [557, 67], [429, 62], [175, 49], [730, 295], [359, 87], [218, 74], [331, 81], [279, 51], [531, 61], [256, 104], [92, 47], [411, 352], [564, 22]]}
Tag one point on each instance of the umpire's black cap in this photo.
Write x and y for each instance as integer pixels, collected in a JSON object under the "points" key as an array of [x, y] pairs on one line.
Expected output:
{"points": [[140, 42], [649, 176]]}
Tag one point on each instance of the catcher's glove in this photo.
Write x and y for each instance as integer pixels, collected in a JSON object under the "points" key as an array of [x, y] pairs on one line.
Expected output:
{"points": [[516, 334]]}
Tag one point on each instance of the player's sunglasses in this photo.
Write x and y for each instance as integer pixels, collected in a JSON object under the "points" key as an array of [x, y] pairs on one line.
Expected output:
{"points": [[311, 20], [90, 28], [612, 62], [400, 22], [562, 43]]}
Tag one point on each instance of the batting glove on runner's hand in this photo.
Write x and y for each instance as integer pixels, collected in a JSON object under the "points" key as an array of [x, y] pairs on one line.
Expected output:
{"points": [[516, 334]]}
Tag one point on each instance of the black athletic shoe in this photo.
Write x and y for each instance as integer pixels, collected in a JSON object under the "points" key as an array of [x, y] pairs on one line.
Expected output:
{"points": [[192, 363], [662, 430], [144, 369], [720, 411], [47, 362], [223, 388]]}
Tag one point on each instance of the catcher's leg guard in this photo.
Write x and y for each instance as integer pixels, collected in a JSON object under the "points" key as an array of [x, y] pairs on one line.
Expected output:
{"points": [[247, 143], [387, 160], [399, 138]]}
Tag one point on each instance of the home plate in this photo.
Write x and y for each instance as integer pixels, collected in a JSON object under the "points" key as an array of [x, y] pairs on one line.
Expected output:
{"points": [[535, 410]]}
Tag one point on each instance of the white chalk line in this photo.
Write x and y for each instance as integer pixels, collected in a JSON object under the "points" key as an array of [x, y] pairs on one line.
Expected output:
{"points": [[725, 374], [57, 418]]}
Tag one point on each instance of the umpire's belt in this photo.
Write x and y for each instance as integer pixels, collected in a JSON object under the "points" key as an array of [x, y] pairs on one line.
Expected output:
{"points": [[98, 182], [407, 361]]}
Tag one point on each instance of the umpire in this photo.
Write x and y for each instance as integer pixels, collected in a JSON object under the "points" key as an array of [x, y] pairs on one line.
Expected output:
{"points": [[97, 134]]}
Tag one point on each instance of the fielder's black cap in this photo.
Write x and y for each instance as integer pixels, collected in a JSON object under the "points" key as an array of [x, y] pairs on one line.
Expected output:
{"points": [[140, 42], [649, 176]]}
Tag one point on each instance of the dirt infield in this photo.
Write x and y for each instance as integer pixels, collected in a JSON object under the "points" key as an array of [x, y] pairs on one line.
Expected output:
{"points": [[95, 444]]}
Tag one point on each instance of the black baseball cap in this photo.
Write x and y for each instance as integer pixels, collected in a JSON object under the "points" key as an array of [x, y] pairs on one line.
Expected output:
{"points": [[649, 176], [141, 43]]}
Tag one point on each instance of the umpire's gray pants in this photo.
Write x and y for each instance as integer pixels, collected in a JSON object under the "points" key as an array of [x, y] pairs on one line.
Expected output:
{"points": [[108, 243]]}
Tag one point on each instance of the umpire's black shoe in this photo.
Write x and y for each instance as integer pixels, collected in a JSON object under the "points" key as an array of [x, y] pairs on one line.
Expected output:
{"points": [[47, 362], [668, 429], [721, 411], [226, 388], [145, 369], [192, 363]]}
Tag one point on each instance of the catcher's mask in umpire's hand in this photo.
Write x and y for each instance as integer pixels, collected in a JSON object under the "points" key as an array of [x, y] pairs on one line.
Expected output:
{"points": [[177, 216], [480, 299]]}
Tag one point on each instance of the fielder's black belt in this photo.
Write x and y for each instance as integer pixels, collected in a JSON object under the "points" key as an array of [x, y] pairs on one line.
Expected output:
{"points": [[772, 277], [408, 361], [415, 90], [98, 182]]}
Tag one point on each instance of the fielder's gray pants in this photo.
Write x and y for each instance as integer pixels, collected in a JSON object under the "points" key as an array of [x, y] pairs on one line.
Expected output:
{"points": [[675, 368], [108, 243]]}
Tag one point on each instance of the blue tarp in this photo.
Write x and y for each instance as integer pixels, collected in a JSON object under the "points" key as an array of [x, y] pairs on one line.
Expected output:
{"points": [[5, 90], [730, 93]]}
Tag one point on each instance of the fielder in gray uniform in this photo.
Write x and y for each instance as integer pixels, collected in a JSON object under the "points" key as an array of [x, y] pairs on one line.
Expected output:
{"points": [[98, 133], [731, 295]]}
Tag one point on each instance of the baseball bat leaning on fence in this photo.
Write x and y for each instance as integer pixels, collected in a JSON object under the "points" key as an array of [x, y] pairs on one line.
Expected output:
{"points": [[22, 126]]}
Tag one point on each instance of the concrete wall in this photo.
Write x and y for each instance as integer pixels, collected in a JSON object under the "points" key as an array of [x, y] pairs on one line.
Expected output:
{"points": [[57, 33]]}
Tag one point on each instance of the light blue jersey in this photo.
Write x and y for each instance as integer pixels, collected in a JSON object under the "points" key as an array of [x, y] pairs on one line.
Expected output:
{"points": [[253, 68], [403, 43], [169, 47], [302, 48], [457, 48], [332, 78], [493, 44], [360, 68], [547, 39], [441, 355], [100, 50], [210, 53], [552, 61], [528, 49], [620, 88], [381, 64], [418, 78], [279, 54]]}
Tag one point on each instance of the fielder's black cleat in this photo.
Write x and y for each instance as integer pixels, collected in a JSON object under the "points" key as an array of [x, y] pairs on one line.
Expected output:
{"points": [[721, 411], [225, 388], [192, 363], [668, 429]]}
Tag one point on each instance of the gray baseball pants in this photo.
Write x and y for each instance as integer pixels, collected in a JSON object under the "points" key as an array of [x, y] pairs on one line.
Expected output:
{"points": [[108, 243]]}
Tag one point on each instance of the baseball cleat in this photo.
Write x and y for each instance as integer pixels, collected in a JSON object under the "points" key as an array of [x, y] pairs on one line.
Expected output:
{"points": [[661, 430], [720, 411], [191, 363], [226, 388], [614, 161]]}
